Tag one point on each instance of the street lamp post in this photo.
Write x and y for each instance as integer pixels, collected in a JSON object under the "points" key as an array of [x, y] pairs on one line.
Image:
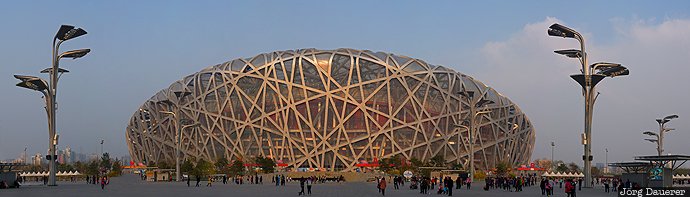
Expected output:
{"points": [[66, 32], [606, 168], [660, 135], [102, 146], [474, 103], [553, 163], [588, 79], [176, 115], [663, 129]]}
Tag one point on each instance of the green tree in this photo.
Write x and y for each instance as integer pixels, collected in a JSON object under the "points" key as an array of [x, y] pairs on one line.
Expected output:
{"points": [[596, 172], [187, 166], [80, 167], [222, 165], [64, 167], [237, 167], [386, 165], [164, 165], [503, 168], [117, 168], [203, 168], [106, 162], [92, 168], [562, 168], [572, 167], [437, 161], [266, 164]]}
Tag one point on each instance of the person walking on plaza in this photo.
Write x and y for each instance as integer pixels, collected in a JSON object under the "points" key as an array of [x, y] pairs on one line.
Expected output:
{"points": [[210, 181], [188, 180], [309, 182], [449, 186], [103, 183], [382, 186], [579, 184], [542, 186], [198, 180], [395, 183], [548, 187], [606, 186], [468, 182], [458, 182], [301, 185]]}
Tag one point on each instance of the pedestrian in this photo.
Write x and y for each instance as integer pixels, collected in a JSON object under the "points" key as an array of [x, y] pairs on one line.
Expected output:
{"points": [[198, 180], [301, 185], [570, 188], [542, 186], [309, 182], [395, 183], [458, 182], [187, 180], [468, 182], [547, 187], [606, 186], [579, 184], [382, 186], [103, 183], [449, 186], [210, 181]]}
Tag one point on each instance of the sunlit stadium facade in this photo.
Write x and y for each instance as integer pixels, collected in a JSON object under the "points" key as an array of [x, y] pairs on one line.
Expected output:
{"points": [[329, 110]]}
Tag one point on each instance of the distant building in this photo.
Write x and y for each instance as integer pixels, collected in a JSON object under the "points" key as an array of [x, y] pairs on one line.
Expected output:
{"points": [[37, 159]]}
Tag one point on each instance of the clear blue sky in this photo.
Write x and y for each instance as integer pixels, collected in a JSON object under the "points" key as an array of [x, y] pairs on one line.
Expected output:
{"points": [[140, 47]]}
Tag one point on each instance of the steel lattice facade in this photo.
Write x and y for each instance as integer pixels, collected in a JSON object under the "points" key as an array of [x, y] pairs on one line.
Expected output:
{"points": [[329, 109]]}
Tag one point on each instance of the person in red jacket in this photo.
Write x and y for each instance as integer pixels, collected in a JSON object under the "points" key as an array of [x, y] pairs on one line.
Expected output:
{"points": [[382, 185], [569, 188]]}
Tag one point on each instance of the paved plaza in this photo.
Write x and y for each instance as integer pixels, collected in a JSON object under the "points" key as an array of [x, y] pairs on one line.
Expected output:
{"points": [[131, 185]]}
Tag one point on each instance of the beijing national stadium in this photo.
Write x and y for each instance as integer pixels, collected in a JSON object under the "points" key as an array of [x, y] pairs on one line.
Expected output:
{"points": [[330, 110]]}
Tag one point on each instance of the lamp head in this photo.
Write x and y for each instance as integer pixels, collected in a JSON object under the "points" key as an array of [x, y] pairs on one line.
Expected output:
{"points": [[674, 116], [67, 32], [74, 54], [60, 70], [613, 71], [561, 31], [571, 53], [650, 133], [31, 82]]}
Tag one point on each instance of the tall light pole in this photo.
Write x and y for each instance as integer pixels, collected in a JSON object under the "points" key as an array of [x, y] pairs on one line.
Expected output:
{"points": [[662, 129], [177, 116], [553, 163], [659, 141], [607, 161], [102, 147], [588, 79], [49, 90], [474, 103]]}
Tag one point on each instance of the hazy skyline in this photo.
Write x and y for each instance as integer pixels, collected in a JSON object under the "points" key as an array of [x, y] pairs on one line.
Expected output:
{"points": [[139, 48]]}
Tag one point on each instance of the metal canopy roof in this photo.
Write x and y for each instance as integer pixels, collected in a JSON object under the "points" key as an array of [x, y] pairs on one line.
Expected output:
{"points": [[633, 166], [9, 166], [663, 158], [629, 164], [676, 161]]}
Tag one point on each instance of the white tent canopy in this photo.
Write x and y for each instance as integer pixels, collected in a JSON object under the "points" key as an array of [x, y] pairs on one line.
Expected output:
{"points": [[39, 174]]}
